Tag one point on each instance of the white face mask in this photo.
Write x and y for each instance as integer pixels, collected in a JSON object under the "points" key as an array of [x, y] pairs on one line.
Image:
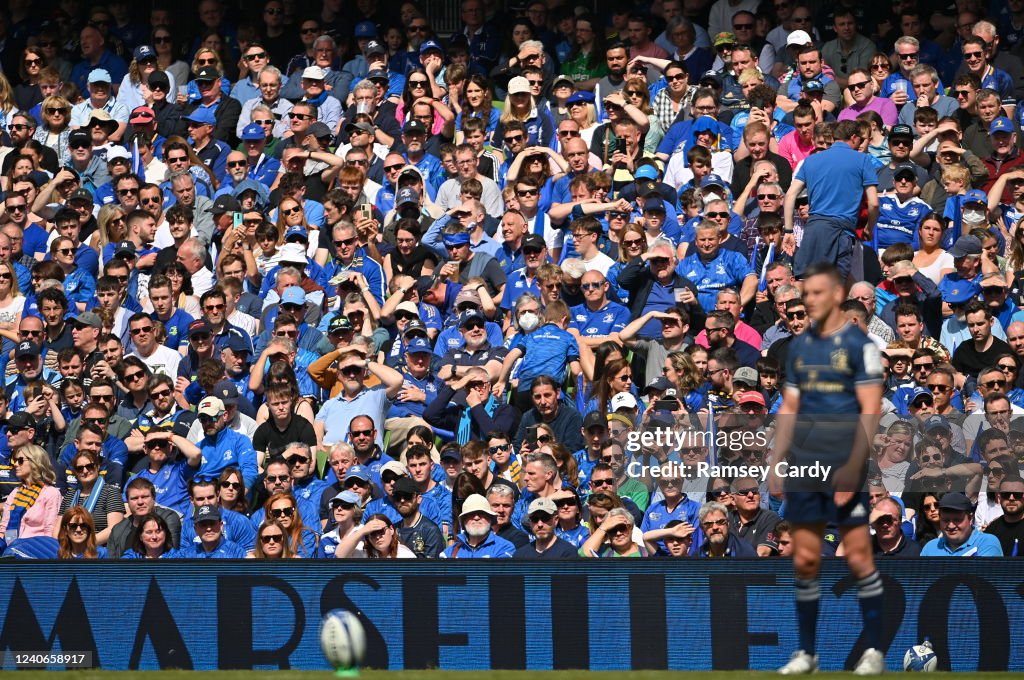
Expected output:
{"points": [[974, 216], [528, 321]]}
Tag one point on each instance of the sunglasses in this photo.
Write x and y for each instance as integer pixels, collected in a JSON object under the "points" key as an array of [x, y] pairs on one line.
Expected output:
{"points": [[78, 526], [1012, 495], [602, 482], [994, 383], [237, 164], [565, 502], [158, 444], [141, 331], [18, 127], [858, 86], [796, 315], [767, 197], [88, 467], [132, 377], [908, 57], [282, 512], [266, 539], [258, 55], [53, 111], [526, 192], [345, 242], [714, 215]]}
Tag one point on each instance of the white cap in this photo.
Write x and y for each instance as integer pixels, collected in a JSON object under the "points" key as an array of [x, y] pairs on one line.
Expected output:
{"points": [[574, 267], [118, 152], [211, 406], [518, 85], [408, 307], [799, 38], [313, 73], [293, 252], [476, 502], [394, 467], [623, 400]]}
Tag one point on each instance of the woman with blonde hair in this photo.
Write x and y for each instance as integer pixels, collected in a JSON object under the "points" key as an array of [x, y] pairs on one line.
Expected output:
{"points": [[56, 128], [7, 103], [204, 58], [112, 230], [379, 539], [581, 109], [76, 538], [636, 93], [520, 106], [32, 507], [12, 302]]}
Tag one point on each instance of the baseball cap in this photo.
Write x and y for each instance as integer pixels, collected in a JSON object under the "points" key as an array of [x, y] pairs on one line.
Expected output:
{"points": [[358, 472], [518, 85], [936, 423], [297, 231], [378, 74], [415, 345], [90, 319], [394, 467], [595, 419], [80, 136], [563, 79], [27, 349], [955, 500], [252, 133], [407, 195], [414, 325], [476, 503], [347, 496], [366, 29], [542, 504], [901, 131], [198, 327], [452, 453], [405, 485], [207, 513], [21, 421], [237, 342], [293, 295], [203, 116], [293, 252], [207, 73], [623, 400], [352, 127], [125, 248], [159, 78], [975, 196], [533, 242], [1000, 124], [313, 72], [470, 316], [99, 75], [80, 195], [654, 204], [746, 375], [713, 180], [646, 172], [319, 130], [813, 86], [227, 392], [143, 52], [725, 38], [751, 397], [711, 75], [966, 246], [211, 406], [661, 383], [580, 96], [799, 38], [415, 127], [428, 45], [141, 115], [224, 203], [905, 169], [917, 393], [339, 324]]}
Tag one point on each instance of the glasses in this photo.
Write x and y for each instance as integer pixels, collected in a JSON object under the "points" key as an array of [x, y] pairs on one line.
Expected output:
{"points": [[941, 389], [767, 197], [394, 168], [880, 67], [278, 478], [360, 433], [418, 29], [1007, 368], [282, 512], [590, 286], [258, 55], [78, 526], [753, 490], [497, 449], [18, 127], [128, 192], [796, 315], [291, 211], [742, 27], [967, 55], [910, 56], [602, 482], [633, 243], [568, 133], [995, 471], [300, 116], [177, 159], [716, 215], [931, 458], [801, 20], [19, 460], [271, 538], [237, 164], [345, 242], [1012, 495], [419, 84], [134, 376], [565, 502], [342, 505], [714, 523], [962, 94], [88, 467], [994, 383], [527, 192], [858, 86], [206, 62]]}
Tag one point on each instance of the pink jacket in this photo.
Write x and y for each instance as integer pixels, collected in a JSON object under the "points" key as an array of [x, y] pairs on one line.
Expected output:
{"points": [[40, 519]]}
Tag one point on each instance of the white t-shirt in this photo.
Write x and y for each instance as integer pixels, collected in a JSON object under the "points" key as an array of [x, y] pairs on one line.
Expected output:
{"points": [[164, 360], [11, 313]]}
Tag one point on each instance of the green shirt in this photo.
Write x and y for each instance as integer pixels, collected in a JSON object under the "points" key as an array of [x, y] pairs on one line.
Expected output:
{"points": [[578, 70]]}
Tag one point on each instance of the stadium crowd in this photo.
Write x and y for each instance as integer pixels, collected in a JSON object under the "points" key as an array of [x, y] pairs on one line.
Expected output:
{"points": [[332, 285]]}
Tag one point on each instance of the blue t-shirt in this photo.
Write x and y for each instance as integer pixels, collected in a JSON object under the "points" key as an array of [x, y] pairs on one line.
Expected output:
{"points": [[546, 351], [728, 269], [611, 318], [835, 180], [898, 222]]}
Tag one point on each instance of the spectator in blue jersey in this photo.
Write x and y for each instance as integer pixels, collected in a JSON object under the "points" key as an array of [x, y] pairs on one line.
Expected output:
{"points": [[674, 505], [140, 495], [209, 529], [534, 253], [476, 539], [719, 541], [168, 473], [836, 180], [597, 319], [417, 532], [976, 59], [221, 446], [548, 351], [959, 537], [900, 211], [712, 268]]}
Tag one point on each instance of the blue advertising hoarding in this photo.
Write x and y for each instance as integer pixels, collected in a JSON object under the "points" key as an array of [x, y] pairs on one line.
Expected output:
{"points": [[596, 614]]}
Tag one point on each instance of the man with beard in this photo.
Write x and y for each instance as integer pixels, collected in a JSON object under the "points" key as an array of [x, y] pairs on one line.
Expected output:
{"points": [[416, 532], [749, 520], [721, 334], [1009, 528], [477, 539], [719, 541], [221, 446]]}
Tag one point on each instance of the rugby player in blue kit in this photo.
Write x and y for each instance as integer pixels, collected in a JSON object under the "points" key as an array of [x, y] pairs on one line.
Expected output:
{"points": [[831, 402]]}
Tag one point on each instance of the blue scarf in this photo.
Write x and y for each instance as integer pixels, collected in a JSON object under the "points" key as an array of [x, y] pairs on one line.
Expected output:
{"points": [[24, 498], [94, 495], [465, 433]]}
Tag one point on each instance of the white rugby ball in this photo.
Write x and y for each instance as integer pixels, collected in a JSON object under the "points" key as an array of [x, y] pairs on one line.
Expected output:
{"points": [[342, 639], [920, 658]]}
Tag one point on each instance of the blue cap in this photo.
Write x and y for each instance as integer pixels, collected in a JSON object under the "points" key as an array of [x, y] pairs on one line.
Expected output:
{"points": [[580, 96], [1000, 124], [238, 342], [705, 124], [366, 29], [452, 453], [646, 172], [470, 315], [713, 180], [143, 52], [358, 472], [293, 295], [975, 196], [202, 115], [958, 292], [918, 393], [417, 345], [297, 230], [252, 133], [428, 45], [407, 195], [936, 423], [207, 513], [813, 86], [99, 75], [459, 239], [654, 204], [348, 496]]}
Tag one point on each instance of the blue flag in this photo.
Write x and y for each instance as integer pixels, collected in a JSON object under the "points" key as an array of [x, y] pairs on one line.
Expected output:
{"points": [[137, 166], [762, 285]]}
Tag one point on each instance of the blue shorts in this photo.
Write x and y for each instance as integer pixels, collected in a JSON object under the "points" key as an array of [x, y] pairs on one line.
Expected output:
{"points": [[825, 240], [818, 507]]}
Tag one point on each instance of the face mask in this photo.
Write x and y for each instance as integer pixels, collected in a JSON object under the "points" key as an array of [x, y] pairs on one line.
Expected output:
{"points": [[974, 216], [528, 321]]}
